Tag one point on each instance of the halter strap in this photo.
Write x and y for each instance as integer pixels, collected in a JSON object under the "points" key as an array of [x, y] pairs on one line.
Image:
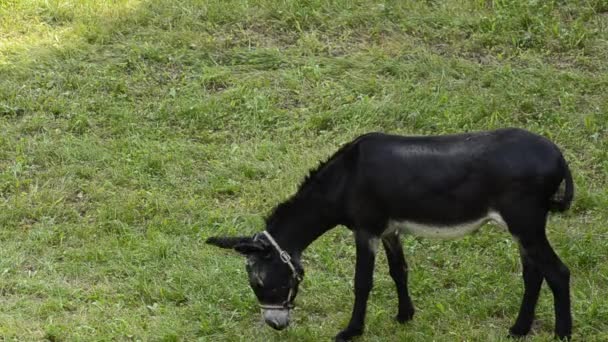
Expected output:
{"points": [[287, 304], [285, 257]]}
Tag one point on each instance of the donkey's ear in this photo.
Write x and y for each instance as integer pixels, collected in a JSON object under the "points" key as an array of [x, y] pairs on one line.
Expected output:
{"points": [[242, 244], [250, 247], [228, 241]]}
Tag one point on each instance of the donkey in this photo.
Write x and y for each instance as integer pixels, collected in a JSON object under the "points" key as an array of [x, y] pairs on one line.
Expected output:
{"points": [[381, 185]]}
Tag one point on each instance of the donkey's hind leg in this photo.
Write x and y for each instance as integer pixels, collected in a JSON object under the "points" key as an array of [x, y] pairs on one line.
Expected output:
{"points": [[533, 280], [539, 261], [558, 278], [398, 270]]}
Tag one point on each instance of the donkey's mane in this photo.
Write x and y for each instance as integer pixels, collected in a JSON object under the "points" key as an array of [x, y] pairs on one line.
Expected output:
{"points": [[312, 182], [313, 174]]}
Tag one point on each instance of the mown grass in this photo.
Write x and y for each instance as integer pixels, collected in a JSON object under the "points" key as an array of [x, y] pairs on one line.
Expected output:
{"points": [[133, 130]]}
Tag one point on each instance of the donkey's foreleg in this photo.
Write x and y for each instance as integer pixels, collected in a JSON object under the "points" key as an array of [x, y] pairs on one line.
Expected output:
{"points": [[398, 270], [367, 246]]}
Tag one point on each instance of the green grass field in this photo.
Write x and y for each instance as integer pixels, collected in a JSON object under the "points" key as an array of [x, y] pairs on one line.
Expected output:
{"points": [[130, 131]]}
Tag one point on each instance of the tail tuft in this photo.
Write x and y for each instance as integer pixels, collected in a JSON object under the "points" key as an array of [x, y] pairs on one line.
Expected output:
{"points": [[562, 199]]}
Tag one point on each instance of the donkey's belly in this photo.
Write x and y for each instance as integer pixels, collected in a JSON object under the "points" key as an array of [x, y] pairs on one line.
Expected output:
{"points": [[442, 231]]}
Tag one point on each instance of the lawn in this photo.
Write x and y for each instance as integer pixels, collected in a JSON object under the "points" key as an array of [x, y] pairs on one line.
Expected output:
{"points": [[130, 131]]}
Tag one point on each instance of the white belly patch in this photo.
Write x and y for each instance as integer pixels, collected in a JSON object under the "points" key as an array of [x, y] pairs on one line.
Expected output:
{"points": [[442, 231]]}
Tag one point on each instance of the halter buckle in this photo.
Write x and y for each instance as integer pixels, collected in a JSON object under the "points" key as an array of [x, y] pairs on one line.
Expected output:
{"points": [[285, 257]]}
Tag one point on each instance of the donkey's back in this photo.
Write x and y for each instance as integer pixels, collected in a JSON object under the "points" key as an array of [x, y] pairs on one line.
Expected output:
{"points": [[455, 179]]}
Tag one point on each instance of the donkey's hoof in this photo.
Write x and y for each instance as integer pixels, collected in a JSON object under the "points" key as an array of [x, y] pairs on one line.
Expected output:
{"points": [[563, 337], [518, 332], [404, 317], [348, 334]]}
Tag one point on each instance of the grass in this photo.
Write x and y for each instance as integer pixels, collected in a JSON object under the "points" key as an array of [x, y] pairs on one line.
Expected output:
{"points": [[133, 130]]}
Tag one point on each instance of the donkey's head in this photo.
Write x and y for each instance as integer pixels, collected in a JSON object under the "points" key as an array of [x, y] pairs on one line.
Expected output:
{"points": [[273, 275]]}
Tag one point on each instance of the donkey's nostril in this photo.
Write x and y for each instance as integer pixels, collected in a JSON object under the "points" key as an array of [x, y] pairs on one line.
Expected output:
{"points": [[276, 325], [277, 319]]}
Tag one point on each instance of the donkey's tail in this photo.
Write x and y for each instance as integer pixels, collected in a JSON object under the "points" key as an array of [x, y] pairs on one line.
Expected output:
{"points": [[561, 200]]}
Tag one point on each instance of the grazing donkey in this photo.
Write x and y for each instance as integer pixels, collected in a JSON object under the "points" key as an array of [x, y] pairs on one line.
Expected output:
{"points": [[380, 185]]}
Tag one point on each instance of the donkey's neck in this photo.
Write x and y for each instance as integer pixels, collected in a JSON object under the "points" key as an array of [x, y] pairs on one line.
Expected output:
{"points": [[317, 206], [298, 222]]}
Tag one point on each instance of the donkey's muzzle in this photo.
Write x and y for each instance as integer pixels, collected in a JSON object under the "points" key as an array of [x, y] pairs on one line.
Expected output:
{"points": [[277, 318]]}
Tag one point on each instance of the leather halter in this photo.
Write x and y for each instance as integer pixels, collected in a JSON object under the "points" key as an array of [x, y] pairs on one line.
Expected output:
{"points": [[286, 259]]}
